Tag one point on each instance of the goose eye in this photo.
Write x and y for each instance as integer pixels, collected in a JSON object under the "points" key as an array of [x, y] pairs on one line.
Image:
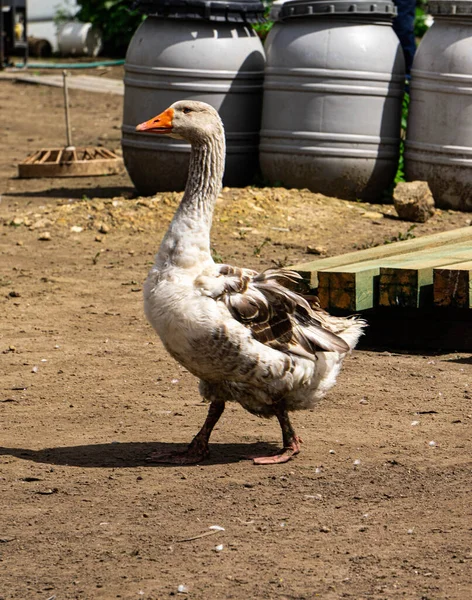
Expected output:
{"points": [[186, 110]]}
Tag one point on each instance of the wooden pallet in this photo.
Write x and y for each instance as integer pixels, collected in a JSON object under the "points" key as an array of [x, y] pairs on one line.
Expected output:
{"points": [[70, 162], [405, 286]]}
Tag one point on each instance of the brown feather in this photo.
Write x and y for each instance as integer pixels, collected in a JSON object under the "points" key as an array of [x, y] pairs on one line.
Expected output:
{"points": [[277, 316]]}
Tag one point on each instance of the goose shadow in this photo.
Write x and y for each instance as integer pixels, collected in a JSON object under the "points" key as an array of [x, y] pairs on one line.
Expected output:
{"points": [[133, 454]]}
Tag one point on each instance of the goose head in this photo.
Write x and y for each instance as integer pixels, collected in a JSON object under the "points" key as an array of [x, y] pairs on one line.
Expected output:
{"points": [[195, 122]]}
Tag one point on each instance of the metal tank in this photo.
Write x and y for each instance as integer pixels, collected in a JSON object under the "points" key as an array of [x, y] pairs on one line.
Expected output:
{"points": [[334, 84], [438, 146], [202, 51]]}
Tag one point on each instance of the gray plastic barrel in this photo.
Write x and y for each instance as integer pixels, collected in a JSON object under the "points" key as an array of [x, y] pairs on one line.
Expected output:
{"points": [[438, 145], [332, 98], [176, 58]]}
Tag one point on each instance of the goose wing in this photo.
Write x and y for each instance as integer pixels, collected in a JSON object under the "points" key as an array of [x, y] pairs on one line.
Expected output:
{"points": [[276, 316]]}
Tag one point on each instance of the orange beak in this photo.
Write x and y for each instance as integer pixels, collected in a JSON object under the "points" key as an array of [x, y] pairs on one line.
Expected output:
{"points": [[160, 124]]}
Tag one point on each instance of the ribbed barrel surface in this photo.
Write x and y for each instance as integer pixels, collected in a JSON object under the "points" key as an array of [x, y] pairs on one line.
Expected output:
{"points": [[332, 105], [438, 147]]}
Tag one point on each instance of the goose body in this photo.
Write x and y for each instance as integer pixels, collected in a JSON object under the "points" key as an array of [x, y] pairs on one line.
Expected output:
{"points": [[245, 335]]}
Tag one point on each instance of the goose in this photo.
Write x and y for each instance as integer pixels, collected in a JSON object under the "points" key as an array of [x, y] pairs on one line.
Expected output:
{"points": [[247, 336]]}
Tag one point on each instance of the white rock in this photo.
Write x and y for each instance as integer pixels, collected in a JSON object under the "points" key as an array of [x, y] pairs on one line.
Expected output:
{"points": [[182, 589], [415, 423], [219, 548], [216, 528], [76, 229], [357, 462], [432, 443]]}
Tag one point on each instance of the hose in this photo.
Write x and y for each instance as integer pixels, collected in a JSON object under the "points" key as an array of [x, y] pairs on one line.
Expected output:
{"points": [[88, 65]]}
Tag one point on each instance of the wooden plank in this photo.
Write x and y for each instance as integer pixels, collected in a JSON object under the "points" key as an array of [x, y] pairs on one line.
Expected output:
{"points": [[309, 271], [348, 290], [411, 285], [356, 287], [452, 285]]}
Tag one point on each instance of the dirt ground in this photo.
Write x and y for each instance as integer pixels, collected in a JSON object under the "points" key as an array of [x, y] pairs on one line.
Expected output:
{"points": [[377, 506]]}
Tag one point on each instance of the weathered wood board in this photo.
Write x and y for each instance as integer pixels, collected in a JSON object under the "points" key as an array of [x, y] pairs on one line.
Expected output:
{"points": [[399, 280], [309, 271], [452, 285], [414, 294]]}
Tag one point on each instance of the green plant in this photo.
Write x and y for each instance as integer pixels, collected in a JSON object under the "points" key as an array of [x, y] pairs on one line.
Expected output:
{"points": [[400, 174], [420, 18], [216, 256], [258, 249], [402, 237], [262, 29], [116, 20]]}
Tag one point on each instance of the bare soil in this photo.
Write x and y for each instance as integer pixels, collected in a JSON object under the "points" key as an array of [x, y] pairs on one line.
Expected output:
{"points": [[377, 506]]}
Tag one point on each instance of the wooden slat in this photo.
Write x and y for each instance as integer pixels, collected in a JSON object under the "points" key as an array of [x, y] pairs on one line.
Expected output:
{"points": [[32, 158], [452, 285], [309, 271], [45, 156], [356, 287], [348, 290], [411, 285]]}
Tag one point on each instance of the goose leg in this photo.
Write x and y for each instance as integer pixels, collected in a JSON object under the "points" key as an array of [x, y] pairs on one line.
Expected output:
{"points": [[290, 438], [198, 448]]}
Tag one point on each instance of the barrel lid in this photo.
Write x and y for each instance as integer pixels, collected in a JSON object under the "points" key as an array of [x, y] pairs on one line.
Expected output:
{"points": [[384, 9], [450, 8], [229, 11]]}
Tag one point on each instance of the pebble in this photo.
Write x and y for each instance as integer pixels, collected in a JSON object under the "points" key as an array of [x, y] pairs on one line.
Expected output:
{"points": [[357, 462], [34, 370], [324, 529], [332, 452], [317, 250], [76, 229], [182, 589], [415, 423], [103, 228], [432, 443], [45, 236], [219, 548]]}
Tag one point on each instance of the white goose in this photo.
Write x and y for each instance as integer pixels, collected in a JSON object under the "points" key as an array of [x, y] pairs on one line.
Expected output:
{"points": [[247, 336]]}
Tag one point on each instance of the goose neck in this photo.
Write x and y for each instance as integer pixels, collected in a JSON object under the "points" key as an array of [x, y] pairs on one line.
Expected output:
{"points": [[187, 241]]}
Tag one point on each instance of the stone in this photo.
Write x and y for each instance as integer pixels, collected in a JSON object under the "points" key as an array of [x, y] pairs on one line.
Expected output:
{"points": [[413, 201]]}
